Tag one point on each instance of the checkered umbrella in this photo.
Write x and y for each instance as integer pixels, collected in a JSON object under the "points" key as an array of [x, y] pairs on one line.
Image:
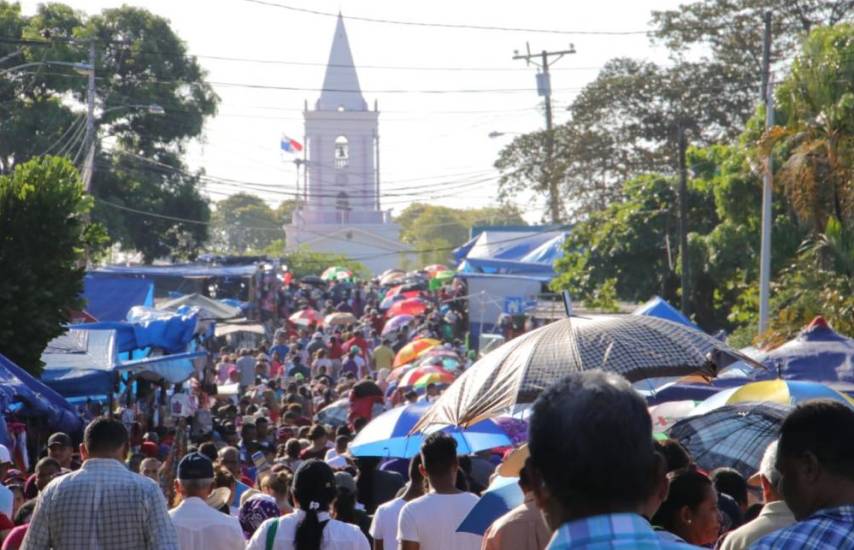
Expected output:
{"points": [[634, 346], [735, 436]]}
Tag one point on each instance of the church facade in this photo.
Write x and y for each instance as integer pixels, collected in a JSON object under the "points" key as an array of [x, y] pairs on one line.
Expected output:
{"points": [[340, 210]]}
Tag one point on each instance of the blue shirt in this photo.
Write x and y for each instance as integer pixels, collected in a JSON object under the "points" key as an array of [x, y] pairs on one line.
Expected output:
{"points": [[828, 528], [282, 349], [611, 531]]}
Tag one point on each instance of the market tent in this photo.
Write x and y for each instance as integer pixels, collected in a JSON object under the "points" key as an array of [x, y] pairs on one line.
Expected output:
{"points": [[147, 328], [36, 399], [208, 307], [659, 307], [181, 270], [110, 298]]}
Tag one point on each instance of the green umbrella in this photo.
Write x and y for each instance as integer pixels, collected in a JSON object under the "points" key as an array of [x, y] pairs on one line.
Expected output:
{"points": [[441, 278]]}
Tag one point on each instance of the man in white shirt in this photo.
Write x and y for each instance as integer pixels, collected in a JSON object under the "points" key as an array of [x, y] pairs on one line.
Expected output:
{"points": [[430, 522], [246, 369], [387, 516], [199, 526]]}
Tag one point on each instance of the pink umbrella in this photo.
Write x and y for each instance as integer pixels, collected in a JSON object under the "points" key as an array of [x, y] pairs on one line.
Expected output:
{"points": [[396, 323]]}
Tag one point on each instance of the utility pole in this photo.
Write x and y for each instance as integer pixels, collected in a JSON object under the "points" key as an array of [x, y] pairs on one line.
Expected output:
{"points": [[89, 141], [767, 94], [544, 89], [683, 217]]}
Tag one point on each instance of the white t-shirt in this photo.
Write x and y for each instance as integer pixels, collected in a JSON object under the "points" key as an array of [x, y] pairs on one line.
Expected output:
{"points": [[337, 535], [432, 522], [384, 525]]}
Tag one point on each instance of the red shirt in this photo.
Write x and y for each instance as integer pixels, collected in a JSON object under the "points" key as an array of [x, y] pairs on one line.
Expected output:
{"points": [[356, 341]]}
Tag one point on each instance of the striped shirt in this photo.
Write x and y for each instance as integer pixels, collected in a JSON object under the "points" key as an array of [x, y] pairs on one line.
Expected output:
{"points": [[828, 528], [612, 532]]}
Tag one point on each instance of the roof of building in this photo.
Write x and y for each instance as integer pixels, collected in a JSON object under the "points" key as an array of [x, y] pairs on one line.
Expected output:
{"points": [[341, 84]]}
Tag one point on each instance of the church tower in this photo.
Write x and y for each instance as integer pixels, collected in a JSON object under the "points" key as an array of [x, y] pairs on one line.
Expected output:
{"points": [[341, 136], [340, 211]]}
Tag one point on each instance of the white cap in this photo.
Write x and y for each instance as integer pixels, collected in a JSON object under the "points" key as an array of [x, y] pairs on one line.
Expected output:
{"points": [[5, 456], [7, 500]]}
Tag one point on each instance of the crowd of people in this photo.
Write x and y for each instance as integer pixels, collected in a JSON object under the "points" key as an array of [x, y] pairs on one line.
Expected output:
{"points": [[269, 466]]}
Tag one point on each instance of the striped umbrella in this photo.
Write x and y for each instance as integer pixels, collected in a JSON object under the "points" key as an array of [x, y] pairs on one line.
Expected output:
{"points": [[633, 346], [306, 317], [734, 436], [337, 273], [388, 435], [784, 392], [413, 350], [420, 377], [339, 318]]}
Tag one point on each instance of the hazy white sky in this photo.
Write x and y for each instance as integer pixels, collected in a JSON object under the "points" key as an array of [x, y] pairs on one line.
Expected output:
{"points": [[428, 140]]}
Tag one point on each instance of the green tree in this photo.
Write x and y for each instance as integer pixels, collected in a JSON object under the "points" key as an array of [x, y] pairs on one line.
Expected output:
{"points": [[140, 61], [43, 241], [243, 222]]}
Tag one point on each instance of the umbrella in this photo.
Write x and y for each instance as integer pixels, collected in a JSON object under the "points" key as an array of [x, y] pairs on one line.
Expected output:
{"points": [[423, 376], [667, 414], [502, 495], [392, 279], [339, 318], [388, 434], [633, 346], [438, 357], [312, 280], [735, 435], [392, 271], [306, 317], [785, 392], [335, 414], [337, 273], [396, 323], [413, 350], [435, 268], [409, 306], [441, 278], [391, 299]]}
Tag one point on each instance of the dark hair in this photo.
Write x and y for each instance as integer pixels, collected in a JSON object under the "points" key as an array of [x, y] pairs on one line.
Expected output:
{"points": [[314, 483], [317, 431], [209, 450], [687, 488], [24, 512], [590, 438], [105, 435], [730, 482], [675, 455], [365, 482], [48, 461], [223, 477], [439, 453], [824, 428], [414, 470], [345, 506]]}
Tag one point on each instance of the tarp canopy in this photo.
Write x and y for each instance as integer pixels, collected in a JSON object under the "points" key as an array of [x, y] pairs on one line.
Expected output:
{"points": [[208, 307], [85, 362], [150, 328], [37, 399], [110, 298], [659, 307], [181, 270], [512, 252], [223, 329]]}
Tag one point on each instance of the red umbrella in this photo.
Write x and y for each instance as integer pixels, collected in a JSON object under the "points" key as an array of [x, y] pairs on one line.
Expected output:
{"points": [[410, 306]]}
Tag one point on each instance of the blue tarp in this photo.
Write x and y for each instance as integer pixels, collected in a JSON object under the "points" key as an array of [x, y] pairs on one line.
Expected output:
{"points": [[110, 298], [37, 399], [181, 270], [150, 328], [658, 307], [520, 252]]}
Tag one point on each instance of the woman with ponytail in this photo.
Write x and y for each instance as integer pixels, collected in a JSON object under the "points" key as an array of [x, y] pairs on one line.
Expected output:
{"points": [[310, 527]]}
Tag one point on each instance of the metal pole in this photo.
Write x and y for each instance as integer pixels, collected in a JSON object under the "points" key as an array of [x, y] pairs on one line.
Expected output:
{"points": [[683, 218], [554, 203], [89, 164], [767, 185]]}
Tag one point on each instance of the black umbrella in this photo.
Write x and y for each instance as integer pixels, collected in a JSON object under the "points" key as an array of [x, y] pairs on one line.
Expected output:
{"points": [[312, 280]]}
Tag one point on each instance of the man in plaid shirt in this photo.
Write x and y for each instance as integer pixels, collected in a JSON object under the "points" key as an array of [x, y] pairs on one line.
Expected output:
{"points": [[816, 459], [103, 505]]}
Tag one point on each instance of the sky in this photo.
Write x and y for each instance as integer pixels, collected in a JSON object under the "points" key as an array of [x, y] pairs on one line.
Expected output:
{"points": [[435, 147]]}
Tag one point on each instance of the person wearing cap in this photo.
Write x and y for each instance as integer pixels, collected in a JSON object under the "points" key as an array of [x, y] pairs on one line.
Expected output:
{"points": [[775, 513], [199, 526], [103, 504], [61, 448]]}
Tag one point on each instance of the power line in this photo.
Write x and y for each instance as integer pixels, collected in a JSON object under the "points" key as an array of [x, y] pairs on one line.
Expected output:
{"points": [[459, 26]]}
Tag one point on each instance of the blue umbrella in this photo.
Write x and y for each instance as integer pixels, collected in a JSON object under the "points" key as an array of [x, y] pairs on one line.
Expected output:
{"points": [[502, 495], [388, 435]]}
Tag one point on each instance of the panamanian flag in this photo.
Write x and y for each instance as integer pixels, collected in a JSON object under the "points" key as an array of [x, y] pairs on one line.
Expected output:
{"points": [[290, 145]]}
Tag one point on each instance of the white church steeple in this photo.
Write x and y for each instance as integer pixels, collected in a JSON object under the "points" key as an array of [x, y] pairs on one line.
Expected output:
{"points": [[341, 90]]}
